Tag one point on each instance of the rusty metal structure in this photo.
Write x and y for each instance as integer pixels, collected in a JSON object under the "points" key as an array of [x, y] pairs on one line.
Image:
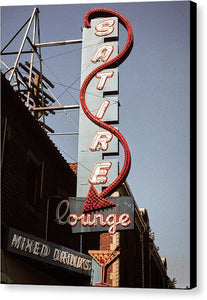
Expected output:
{"points": [[34, 89]]}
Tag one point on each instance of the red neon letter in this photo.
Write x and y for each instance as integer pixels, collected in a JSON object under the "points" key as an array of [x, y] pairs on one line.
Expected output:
{"points": [[103, 53], [102, 109], [100, 172], [101, 138], [103, 77], [105, 27]]}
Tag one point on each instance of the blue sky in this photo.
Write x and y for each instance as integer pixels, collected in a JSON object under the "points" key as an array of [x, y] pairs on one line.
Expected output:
{"points": [[154, 111]]}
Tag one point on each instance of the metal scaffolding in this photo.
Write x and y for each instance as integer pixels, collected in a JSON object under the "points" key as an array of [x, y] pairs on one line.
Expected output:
{"points": [[31, 88]]}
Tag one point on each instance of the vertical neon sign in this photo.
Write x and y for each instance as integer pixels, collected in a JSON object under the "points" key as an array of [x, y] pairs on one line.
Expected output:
{"points": [[96, 135]]}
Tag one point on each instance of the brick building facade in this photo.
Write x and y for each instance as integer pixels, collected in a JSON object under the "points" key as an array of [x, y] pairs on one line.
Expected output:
{"points": [[139, 263], [35, 175], [33, 171]]}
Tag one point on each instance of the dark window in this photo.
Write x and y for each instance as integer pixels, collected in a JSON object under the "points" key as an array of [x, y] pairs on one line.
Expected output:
{"points": [[34, 181]]}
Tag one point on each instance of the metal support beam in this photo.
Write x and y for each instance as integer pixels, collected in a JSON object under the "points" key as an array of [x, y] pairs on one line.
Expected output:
{"points": [[46, 127], [40, 61], [31, 59], [55, 108], [13, 53], [27, 70], [64, 133], [23, 42], [60, 43], [14, 36], [40, 74]]}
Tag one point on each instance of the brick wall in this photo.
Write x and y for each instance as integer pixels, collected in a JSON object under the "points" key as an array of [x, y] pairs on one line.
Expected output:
{"points": [[22, 137], [111, 242]]}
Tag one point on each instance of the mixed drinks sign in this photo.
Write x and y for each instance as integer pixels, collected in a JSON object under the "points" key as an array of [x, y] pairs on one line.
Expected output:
{"points": [[33, 247]]}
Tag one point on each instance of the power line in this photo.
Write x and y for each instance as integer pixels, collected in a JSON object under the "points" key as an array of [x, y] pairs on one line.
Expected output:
{"points": [[66, 90], [75, 160], [66, 113], [64, 53], [75, 80], [77, 89]]}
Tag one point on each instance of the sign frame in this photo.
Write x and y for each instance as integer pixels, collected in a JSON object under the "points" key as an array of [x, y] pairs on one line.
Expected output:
{"points": [[33, 247]]}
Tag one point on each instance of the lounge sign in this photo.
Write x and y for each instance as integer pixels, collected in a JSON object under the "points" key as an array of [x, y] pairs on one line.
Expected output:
{"points": [[120, 217], [35, 248]]}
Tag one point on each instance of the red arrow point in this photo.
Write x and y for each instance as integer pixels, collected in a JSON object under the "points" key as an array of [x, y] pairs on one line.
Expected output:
{"points": [[95, 202]]}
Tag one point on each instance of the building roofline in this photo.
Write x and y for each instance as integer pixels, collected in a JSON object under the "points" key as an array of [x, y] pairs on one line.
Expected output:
{"points": [[158, 258], [34, 124]]}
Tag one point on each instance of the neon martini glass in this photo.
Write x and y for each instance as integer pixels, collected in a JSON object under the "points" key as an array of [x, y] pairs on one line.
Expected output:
{"points": [[103, 258]]}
